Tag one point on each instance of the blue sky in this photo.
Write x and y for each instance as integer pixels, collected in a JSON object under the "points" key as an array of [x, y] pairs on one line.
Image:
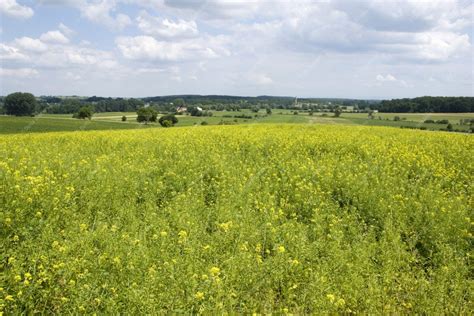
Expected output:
{"points": [[330, 48]]}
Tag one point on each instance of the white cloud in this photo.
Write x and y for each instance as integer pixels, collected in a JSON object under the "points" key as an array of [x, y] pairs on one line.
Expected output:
{"points": [[19, 72], [31, 44], [65, 30], [389, 78], [149, 49], [99, 12], [54, 37], [12, 8], [166, 28], [11, 53]]}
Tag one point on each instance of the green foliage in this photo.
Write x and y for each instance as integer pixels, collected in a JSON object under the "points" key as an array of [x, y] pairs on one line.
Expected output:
{"points": [[168, 120], [20, 104], [124, 118], [429, 104], [146, 115], [269, 111], [178, 102], [319, 220], [337, 112], [84, 112]]}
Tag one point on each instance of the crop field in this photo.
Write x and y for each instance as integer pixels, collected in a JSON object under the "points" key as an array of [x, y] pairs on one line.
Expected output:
{"points": [[295, 218]]}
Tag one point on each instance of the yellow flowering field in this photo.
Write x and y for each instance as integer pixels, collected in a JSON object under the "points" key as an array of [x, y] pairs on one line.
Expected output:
{"points": [[247, 219]]}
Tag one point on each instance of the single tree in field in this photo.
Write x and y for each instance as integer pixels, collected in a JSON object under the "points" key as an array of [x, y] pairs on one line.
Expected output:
{"points": [[124, 118], [20, 104], [146, 115], [85, 112], [337, 111], [168, 120], [269, 110]]}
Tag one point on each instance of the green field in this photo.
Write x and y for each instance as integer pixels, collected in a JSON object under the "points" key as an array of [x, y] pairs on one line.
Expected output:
{"points": [[256, 218], [113, 120], [56, 123]]}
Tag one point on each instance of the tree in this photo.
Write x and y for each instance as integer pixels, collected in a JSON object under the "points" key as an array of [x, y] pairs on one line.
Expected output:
{"points": [[168, 120], [337, 111], [20, 104], [146, 115], [269, 111], [124, 118], [84, 112], [195, 111]]}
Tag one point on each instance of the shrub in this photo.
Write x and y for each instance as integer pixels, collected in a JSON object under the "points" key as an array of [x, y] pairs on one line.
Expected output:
{"points": [[84, 112], [168, 120], [146, 115], [124, 118]]}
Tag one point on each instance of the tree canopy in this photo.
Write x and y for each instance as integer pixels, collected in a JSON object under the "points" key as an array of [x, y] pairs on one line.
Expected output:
{"points": [[20, 104]]}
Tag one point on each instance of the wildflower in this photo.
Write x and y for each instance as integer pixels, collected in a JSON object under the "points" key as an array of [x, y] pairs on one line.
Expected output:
{"points": [[182, 236], [281, 249], [199, 296], [331, 297], [164, 234], [16, 238], [215, 271], [9, 298], [340, 302]]}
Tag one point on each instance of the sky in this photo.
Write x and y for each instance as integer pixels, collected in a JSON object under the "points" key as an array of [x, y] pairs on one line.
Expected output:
{"points": [[374, 49]]}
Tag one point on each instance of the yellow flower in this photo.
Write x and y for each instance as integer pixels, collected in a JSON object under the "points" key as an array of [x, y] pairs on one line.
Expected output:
{"points": [[9, 298], [215, 271], [199, 295], [331, 297], [164, 234], [340, 302], [281, 249]]}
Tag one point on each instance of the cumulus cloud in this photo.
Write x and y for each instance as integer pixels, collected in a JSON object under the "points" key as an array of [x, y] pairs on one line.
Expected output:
{"points": [[12, 53], [31, 44], [99, 12], [166, 28], [16, 10], [149, 49], [54, 37], [388, 78]]}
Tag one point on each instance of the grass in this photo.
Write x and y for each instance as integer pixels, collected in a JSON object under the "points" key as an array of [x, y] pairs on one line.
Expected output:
{"points": [[261, 218], [113, 120], [11, 125]]}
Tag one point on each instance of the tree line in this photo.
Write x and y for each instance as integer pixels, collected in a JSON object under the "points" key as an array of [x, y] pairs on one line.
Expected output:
{"points": [[27, 104], [428, 105]]}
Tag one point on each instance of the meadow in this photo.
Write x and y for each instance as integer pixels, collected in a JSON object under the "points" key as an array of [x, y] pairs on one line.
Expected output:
{"points": [[113, 120], [255, 218]]}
